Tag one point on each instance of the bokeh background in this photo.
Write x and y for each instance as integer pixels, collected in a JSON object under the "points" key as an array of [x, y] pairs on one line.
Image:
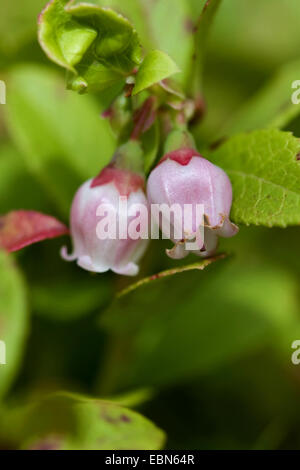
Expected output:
{"points": [[206, 355]]}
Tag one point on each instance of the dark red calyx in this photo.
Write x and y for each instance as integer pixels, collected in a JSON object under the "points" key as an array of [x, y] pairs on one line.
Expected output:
{"points": [[181, 156], [125, 181]]}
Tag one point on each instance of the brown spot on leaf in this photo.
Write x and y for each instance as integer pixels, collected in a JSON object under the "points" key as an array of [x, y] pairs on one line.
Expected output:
{"points": [[106, 416], [125, 419], [297, 158]]}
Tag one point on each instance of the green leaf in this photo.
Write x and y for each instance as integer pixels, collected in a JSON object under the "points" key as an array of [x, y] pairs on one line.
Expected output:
{"points": [[117, 43], [193, 323], [97, 45], [66, 421], [150, 19], [61, 135], [13, 320], [169, 24], [136, 11], [133, 399], [156, 66], [271, 106], [264, 169], [94, 77]]}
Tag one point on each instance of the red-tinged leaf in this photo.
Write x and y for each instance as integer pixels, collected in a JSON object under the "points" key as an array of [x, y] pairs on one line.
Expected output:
{"points": [[21, 228]]}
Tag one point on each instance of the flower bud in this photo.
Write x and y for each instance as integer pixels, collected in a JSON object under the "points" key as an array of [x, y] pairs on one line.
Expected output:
{"points": [[93, 253], [182, 178]]}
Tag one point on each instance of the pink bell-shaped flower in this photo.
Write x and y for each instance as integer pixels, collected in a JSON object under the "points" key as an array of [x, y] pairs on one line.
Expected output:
{"points": [[99, 198], [184, 178]]}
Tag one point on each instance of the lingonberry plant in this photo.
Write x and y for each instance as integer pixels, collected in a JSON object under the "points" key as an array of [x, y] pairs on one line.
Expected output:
{"points": [[137, 141], [99, 48]]}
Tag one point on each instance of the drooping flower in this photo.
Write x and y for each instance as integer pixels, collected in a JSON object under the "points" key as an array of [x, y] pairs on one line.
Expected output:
{"points": [[97, 199], [184, 177]]}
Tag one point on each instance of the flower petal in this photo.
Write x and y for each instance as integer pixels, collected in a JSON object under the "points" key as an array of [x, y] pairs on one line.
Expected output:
{"points": [[131, 269], [178, 251], [64, 254]]}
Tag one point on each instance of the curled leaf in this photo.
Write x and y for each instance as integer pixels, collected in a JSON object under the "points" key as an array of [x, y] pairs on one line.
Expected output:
{"points": [[157, 66], [22, 228], [97, 46], [63, 39]]}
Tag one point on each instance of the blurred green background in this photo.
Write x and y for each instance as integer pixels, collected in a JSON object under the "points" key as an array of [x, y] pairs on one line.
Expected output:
{"points": [[207, 354]]}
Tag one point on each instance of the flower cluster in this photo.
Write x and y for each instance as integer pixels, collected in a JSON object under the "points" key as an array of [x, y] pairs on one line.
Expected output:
{"points": [[181, 178]]}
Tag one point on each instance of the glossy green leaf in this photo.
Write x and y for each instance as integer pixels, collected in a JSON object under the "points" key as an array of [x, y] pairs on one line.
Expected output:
{"points": [[66, 421], [117, 43], [13, 321], [264, 169], [171, 27], [98, 46], [72, 143], [156, 66], [137, 12], [150, 19], [64, 40]]}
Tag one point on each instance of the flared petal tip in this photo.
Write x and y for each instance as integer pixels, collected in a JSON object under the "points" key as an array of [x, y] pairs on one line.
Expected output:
{"points": [[204, 248], [64, 254], [226, 229], [85, 262], [178, 251], [130, 269]]}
